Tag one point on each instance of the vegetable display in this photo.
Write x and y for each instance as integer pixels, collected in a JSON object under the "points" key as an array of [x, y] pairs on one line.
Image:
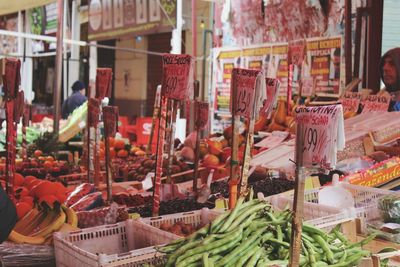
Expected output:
{"points": [[253, 234]]}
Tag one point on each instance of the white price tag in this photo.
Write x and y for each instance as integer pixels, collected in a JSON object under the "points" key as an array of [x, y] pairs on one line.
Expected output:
{"points": [[147, 183]]}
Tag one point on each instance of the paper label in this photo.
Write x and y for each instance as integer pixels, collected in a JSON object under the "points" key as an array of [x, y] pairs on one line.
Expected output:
{"points": [[176, 76], [272, 87], [201, 111], [103, 83], [147, 183], [375, 103], [110, 118], [351, 101], [275, 139], [320, 134], [243, 84], [11, 78]]}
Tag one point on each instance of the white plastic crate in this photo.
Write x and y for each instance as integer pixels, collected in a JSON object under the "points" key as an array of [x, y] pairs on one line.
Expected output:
{"points": [[109, 245], [195, 218]]}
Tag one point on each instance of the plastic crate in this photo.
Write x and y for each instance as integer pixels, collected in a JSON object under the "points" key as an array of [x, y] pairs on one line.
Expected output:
{"points": [[109, 245]]}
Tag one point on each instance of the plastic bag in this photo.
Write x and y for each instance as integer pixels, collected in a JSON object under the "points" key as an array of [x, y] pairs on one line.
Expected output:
{"points": [[12, 254], [97, 217], [390, 208], [89, 202], [79, 192]]}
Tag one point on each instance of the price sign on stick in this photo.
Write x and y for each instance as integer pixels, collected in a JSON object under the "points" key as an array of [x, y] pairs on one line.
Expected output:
{"points": [[272, 86], [103, 83], [350, 101], [93, 112], [244, 81], [201, 111], [323, 134], [19, 106], [176, 78], [375, 103]]}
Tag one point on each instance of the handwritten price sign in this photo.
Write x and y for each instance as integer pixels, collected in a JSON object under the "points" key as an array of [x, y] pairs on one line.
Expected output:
{"points": [[350, 101], [12, 78], [243, 83], [201, 109], [320, 134], [176, 76], [103, 83], [272, 86], [375, 103], [110, 118]]}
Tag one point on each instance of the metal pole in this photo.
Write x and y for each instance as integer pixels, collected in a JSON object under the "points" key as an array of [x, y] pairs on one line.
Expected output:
{"points": [[347, 42], [58, 70], [298, 202], [203, 66]]}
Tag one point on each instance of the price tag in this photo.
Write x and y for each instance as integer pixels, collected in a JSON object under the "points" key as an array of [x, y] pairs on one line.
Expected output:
{"points": [[11, 78], [350, 101], [93, 111], [296, 52], [103, 83], [375, 103], [243, 83], [177, 70], [323, 134], [201, 109], [272, 92], [19, 106], [147, 183], [110, 118]]}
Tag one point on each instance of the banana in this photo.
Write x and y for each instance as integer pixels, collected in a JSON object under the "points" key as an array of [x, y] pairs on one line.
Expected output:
{"points": [[23, 239], [26, 220], [52, 215], [36, 221], [53, 227], [72, 218]]}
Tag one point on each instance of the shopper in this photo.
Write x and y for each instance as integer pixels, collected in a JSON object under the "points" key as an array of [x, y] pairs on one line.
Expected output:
{"points": [[75, 100], [8, 215], [390, 74]]}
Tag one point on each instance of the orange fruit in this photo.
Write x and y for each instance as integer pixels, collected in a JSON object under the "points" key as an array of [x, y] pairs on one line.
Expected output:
{"points": [[214, 147], [41, 158], [29, 179], [50, 158], [134, 149], [38, 153], [210, 160], [119, 144], [47, 164], [22, 209], [18, 179], [122, 153]]}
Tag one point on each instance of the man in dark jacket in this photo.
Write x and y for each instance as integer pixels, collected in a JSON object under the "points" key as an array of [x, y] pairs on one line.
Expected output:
{"points": [[75, 100], [390, 74], [8, 215]]}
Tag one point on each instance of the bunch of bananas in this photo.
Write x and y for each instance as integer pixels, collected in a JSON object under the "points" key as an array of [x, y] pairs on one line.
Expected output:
{"points": [[38, 225]]}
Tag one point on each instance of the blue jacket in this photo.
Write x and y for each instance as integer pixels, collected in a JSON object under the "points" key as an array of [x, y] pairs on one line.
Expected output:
{"points": [[72, 102]]}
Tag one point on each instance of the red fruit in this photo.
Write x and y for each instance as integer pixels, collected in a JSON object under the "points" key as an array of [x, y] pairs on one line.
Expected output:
{"points": [[29, 179], [61, 197], [38, 153], [122, 153], [22, 209], [119, 144], [27, 199], [21, 191], [47, 164], [50, 200], [59, 188], [18, 179], [42, 189], [33, 183]]}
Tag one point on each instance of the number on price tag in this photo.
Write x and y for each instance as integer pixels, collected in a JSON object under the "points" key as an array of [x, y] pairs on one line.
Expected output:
{"points": [[201, 109], [103, 83], [244, 82], [176, 76]]}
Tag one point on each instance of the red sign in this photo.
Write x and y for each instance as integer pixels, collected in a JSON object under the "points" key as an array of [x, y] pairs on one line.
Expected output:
{"points": [[243, 84], [103, 83], [351, 101], [143, 130], [110, 119], [93, 112], [111, 18], [176, 76], [374, 103], [296, 52], [12, 78], [272, 92], [19, 106], [201, 111]]}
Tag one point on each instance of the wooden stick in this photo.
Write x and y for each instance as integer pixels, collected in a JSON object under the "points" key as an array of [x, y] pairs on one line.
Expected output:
{"points": [[156, 111], [196, 155], [108, 169]]}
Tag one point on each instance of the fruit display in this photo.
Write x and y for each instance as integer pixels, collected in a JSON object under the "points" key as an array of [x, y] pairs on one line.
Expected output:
{"points": [[179, 228], [100, 216], [253, 234], [131, 200]]}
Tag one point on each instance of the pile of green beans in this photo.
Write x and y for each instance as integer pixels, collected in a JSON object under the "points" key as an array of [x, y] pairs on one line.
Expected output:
{"points": [[253, 234]]}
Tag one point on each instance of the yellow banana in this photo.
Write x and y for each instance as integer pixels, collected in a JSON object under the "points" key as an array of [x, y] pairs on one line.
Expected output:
{"points": [[26, 220], [51, 216], [23, 239], [53, 226], [72, 218], [36, 221]]}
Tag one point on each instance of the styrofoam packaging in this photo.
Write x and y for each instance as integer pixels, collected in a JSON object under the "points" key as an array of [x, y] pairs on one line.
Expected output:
{"points": [[121, 244]]}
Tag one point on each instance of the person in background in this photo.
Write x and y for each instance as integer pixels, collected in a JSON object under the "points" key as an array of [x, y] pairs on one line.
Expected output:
{"points": [[8, 216], [390, 75], [75, 100]]}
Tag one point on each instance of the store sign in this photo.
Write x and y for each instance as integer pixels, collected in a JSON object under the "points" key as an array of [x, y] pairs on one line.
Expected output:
{"points": [[111, 18]]}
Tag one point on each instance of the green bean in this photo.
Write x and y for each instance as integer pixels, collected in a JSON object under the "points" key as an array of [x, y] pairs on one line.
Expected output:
{"points": [[205, 260], [210, 262], [310, 229], [254, 258], [363, 242], [243, 257], [321, 264], [279, 234], [188, 260], [324, 245], [276, 262], [261, 263], [217, 223], [251, 194], [350, 261], [343, 258], [282, 243], [180, 251], [245, 214], [232, 215], [266, 237], [340, 236]]}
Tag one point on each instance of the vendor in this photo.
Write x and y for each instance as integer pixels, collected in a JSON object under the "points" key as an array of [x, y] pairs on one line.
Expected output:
{"points": [[75, 100], [8, 215], [390, 74]]}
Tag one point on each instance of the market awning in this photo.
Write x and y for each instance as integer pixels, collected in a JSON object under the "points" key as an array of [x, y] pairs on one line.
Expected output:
{"points": [[8, 7]]}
